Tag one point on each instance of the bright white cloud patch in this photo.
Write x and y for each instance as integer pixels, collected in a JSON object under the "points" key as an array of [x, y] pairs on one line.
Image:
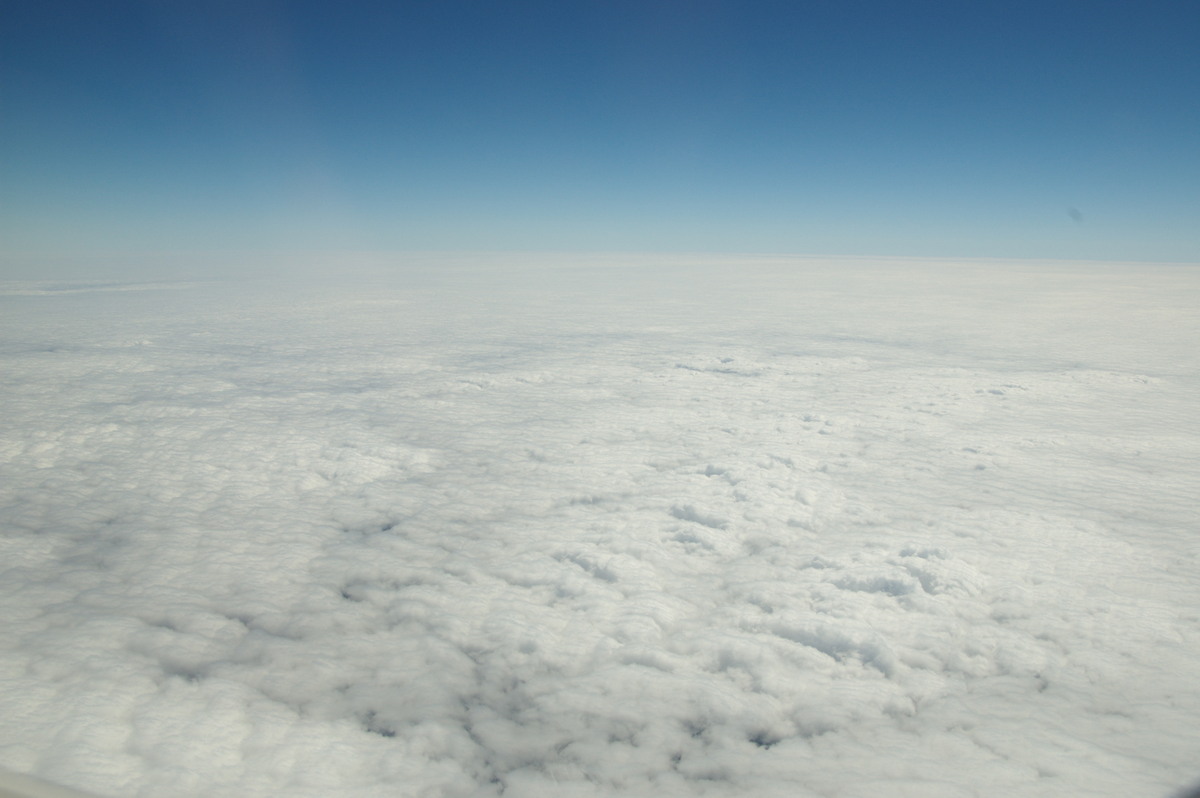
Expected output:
{"points": [[765, 528]]}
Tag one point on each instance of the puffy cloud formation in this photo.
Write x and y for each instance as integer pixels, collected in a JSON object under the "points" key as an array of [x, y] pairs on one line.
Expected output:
{"points": [[765, 528]]}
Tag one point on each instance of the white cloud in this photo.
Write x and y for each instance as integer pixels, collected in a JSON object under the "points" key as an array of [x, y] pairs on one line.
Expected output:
{"points": [[768, 528]]}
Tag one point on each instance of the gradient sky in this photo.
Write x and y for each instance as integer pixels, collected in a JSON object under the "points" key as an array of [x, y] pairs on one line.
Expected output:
{"points": [[977, 129]]}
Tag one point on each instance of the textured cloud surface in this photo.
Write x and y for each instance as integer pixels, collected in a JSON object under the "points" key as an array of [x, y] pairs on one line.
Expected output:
{"points": [[763, 528]]}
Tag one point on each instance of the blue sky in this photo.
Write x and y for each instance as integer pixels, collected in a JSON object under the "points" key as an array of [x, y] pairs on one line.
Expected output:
{"points": [[973, 129]]}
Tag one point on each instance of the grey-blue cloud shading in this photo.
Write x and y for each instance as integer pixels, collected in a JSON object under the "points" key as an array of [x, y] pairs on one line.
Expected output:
{"points": [[604, 526]]}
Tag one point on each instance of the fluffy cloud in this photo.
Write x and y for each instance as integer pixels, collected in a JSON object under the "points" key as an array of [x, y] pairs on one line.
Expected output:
{"points": [[759, 528]]}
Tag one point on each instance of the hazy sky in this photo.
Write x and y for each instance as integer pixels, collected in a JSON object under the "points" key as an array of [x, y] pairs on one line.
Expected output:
{"points": [[1008, 129]]}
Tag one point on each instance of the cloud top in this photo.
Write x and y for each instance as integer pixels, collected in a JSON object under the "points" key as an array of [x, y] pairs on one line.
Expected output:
{"points": [[779, 529]]}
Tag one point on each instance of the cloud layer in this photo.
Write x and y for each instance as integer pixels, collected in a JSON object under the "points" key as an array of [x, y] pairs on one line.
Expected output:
{"points": [[759, 528]]}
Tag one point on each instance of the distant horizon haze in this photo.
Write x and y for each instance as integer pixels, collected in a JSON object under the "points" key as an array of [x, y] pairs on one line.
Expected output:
{"points": [[1005, 130]]}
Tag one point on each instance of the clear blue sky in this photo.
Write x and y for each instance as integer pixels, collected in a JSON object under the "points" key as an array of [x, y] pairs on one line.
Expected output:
{"points": [[962, 128]]}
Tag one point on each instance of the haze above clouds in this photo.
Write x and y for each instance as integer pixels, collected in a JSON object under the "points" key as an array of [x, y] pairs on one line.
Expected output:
{"points": [[756, 527], [1008, 129]]}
